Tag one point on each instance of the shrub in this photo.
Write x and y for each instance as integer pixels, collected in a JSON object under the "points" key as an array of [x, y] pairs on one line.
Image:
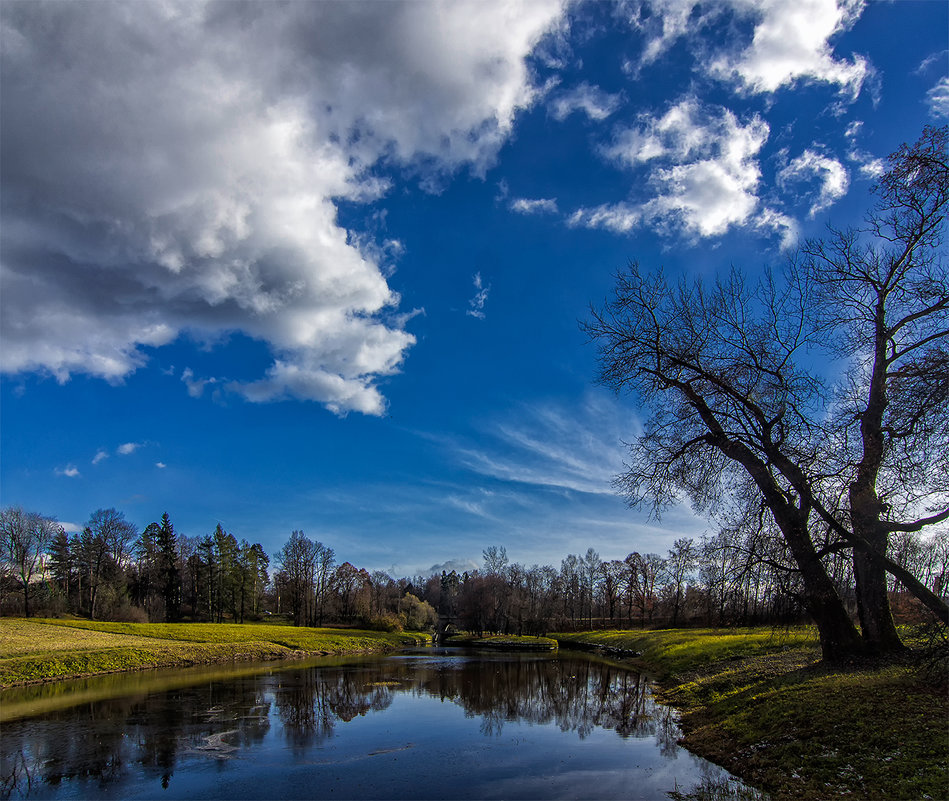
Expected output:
{"points": [[385, 622], [416, 615]]}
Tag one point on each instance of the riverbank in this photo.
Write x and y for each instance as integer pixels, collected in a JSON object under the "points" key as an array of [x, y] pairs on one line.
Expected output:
{"points": [[504, 642], [760, 703], [33, 651]]}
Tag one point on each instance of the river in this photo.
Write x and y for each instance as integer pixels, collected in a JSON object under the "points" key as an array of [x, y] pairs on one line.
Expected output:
{"points": [[431, 723]]}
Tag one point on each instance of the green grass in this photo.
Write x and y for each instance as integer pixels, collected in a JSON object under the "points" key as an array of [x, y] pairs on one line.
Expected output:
{"points": [[513, 642], [763, 705], [672, 651], [44, 650]]}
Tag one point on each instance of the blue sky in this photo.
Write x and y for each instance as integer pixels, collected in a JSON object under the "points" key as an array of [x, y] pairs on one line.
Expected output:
{"points": [[320, 266]]}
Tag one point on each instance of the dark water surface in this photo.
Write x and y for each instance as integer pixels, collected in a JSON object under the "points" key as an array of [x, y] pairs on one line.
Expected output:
{"points": [[433, 723]]}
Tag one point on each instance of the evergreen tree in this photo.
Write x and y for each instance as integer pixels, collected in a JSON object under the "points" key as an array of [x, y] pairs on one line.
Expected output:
{"points": [[169, 577]]}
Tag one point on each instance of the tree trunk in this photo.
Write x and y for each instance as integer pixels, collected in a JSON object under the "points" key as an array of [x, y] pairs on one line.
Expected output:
{"points": [[873, 603], [839, 639]]}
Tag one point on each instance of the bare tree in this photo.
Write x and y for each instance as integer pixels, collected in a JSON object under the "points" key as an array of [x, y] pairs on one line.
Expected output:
{"points": [[883, 299], [683, 559], [716, 367], [495, 560], [735, 402], [24, 538], [590, 570]]}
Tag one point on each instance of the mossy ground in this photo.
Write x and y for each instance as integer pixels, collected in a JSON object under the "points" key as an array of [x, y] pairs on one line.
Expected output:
{"points": [[514, 642], [762, 704], [45, 650]]}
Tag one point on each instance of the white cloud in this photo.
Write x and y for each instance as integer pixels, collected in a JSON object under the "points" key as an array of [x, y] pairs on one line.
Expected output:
{"points": [[195, 385], [662, 23], [932, 60], [591, 100], [176, 170], [459, 565], [702, 170], [100, 456], [577, 449], [620, 218], [523, 205], [868, 165], [476, 304], [830, 174], [128, 448], [790, 40], [938, 99], [70, 471], [160, 465]]}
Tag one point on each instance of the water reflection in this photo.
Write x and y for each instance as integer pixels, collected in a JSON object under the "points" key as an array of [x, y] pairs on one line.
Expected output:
{"points": [[98, 743], [107, 747]]}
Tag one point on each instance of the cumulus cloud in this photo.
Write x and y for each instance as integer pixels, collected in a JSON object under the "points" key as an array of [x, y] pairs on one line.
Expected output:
{"points": [[70, 471], [160, 465], [523, 205], [458, 565], [830, 175], [702, 170], [175, 168], [791, 40], [591, 100], [100, 456], [128, 448]]}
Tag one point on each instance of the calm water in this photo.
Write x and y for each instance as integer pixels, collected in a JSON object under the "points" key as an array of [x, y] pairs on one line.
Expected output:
{"points": [[438, 723]]}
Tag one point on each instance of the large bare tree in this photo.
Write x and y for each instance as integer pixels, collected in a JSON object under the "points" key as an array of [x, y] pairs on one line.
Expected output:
{"points": [[728, 374], [882, 298]]}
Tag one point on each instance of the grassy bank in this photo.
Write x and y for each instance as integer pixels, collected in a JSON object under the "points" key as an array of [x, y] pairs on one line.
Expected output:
{"points": [[761, 704], [514, 643], [46, 650]]}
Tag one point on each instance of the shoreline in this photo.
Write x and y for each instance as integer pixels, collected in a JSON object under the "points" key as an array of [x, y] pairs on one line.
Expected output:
{"points": [[761, 704], [43, 651]]}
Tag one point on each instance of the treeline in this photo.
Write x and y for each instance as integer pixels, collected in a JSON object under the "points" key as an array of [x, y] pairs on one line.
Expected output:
{"points": [[111, 570], [731, 579]]}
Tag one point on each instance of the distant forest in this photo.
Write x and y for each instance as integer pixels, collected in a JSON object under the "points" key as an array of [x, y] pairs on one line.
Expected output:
{"points": [[113, 571]]}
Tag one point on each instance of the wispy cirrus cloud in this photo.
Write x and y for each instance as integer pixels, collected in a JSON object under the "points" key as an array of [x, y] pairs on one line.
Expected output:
{"points": [[938, 98], [578, 450], [476, 303]]}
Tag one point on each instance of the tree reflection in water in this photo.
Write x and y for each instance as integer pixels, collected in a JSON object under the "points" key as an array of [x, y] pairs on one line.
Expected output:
{"points": [[100, 743]]}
